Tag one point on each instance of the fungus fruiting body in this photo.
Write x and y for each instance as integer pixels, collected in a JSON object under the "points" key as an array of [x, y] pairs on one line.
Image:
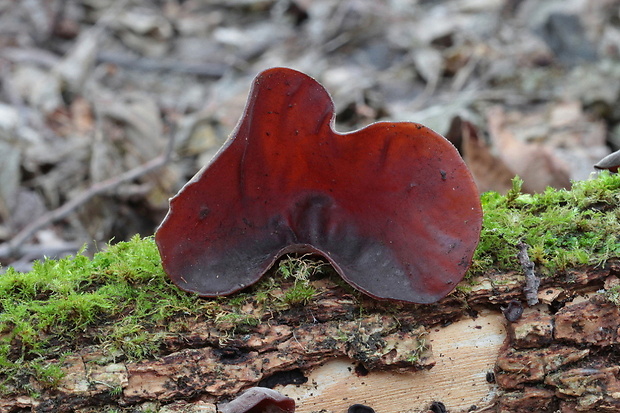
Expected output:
{"points": [[259, 400], [611, 162], [513, 311], [360, 408], [391, 206], [438, 407]]}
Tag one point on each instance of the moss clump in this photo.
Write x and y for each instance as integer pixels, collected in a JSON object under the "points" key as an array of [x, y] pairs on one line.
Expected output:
{"points": [[563, 228], [43, 312], [122, 300], [300, 269]]}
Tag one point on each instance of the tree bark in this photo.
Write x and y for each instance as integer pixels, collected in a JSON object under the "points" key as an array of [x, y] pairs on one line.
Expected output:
{"points": [[344, 348]]}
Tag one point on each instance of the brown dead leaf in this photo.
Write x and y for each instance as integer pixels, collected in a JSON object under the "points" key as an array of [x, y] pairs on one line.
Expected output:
{"points": [[82, 115], [489, 171], [565, 130], [533, 162]]}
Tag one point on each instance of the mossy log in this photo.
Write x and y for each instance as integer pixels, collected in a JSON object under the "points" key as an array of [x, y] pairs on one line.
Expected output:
{"points": [[558, 355], [113, 334]]}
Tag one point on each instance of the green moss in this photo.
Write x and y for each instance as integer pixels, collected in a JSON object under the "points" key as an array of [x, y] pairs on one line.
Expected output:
{"points": [[236, 319], [464, 288], [299, 294], [48, 374], [122, 301], [122, 290], [300, 269], [562, 228]]}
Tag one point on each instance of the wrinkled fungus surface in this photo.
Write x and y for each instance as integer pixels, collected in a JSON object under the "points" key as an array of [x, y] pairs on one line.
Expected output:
{"points": [[391, 206]]}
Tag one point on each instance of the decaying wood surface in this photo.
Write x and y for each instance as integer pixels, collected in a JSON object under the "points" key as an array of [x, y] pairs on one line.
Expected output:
{"points": [[341, 349]]}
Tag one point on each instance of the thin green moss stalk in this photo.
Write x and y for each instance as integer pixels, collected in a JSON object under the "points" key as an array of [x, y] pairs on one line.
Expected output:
{"points": [[301, 269], [122, 301]]}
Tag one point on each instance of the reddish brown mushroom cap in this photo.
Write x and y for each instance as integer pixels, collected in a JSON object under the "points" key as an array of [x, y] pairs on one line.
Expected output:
{"points": [[259, 400], [391, 206]]}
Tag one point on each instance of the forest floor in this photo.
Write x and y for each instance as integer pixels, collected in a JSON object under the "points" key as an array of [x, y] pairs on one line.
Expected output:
{"points": [[108, 107], [93, 92]]}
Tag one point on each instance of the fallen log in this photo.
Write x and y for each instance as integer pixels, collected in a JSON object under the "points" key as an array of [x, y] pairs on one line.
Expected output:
{"points": [[344, 348], [112, 333]]}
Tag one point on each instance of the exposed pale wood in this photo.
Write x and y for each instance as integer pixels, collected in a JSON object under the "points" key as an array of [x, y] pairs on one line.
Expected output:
{"points": [[464, 352]]}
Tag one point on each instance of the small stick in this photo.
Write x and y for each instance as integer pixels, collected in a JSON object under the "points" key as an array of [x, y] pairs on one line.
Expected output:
{"points": [[205, 69], [532, 282], [13, 247]]}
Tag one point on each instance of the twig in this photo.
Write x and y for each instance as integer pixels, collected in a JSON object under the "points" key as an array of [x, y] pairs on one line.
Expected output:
{"points": [[47, 59], [532, 282], [31, 252], [13, 247], [205, 69]]}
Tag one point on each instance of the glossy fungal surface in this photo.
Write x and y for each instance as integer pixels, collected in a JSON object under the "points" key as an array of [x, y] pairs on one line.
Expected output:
{"points": [[259, 400], [391, 206], [611, 162]]}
